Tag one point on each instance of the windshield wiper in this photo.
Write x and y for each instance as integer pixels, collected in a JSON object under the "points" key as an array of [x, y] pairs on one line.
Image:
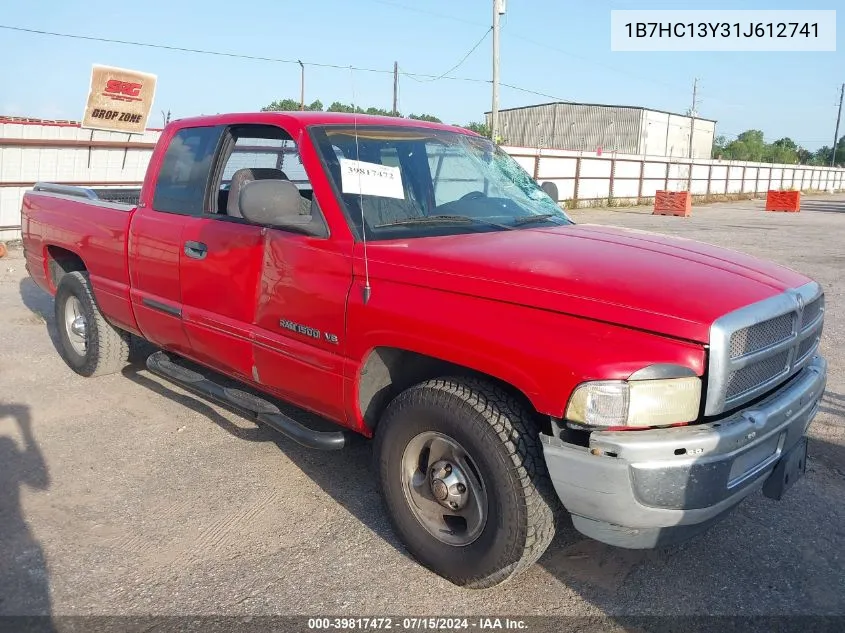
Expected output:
{"points": [[443, 219], [529, 219]]}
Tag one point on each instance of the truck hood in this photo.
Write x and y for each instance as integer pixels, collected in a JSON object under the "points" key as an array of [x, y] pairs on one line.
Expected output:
{"points": [[668, 285]]}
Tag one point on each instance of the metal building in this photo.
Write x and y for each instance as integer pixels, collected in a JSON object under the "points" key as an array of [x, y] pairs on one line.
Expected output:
{"points": [[589, 127]]}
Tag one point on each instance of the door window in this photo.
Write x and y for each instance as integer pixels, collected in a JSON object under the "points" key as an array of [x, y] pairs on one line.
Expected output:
{"points": [[183, 178]]}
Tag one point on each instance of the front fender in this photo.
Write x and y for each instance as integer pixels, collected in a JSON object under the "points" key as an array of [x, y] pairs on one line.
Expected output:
{"points": [[544, 354]]}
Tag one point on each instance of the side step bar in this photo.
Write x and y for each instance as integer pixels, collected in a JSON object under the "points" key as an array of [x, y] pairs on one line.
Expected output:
{"points": [[250, 405]]}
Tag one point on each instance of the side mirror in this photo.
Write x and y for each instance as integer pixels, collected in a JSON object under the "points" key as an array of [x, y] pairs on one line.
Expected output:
{"points": [[551, 190], [278, 203]]}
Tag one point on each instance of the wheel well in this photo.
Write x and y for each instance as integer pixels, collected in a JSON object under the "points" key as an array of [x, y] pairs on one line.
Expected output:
{"points": [[388, 371], [61, 261]]}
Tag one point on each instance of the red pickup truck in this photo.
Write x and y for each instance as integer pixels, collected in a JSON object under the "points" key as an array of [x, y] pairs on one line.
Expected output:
{"points": [[411, 283]]}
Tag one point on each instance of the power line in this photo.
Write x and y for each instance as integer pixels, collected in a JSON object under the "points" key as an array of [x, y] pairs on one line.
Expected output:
{"points": [[425, 12], [534, 92], [529, 40], [181, 49], [462, 60], [199, 51]]}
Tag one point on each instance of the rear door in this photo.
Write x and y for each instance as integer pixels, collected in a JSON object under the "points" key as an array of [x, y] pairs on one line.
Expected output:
{"points": [[155, 239]]}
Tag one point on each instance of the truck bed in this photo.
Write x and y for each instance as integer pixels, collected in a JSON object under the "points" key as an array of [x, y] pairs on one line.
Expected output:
{"points": [[73, 220]]}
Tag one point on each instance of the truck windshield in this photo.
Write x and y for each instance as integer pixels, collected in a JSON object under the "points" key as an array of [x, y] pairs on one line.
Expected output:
{"points": [[414, 182]]}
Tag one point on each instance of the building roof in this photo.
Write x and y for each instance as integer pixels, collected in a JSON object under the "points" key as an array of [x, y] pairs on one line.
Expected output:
{"points": [[600, 105]]}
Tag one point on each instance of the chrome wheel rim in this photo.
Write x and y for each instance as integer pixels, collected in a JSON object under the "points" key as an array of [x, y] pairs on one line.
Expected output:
{"points": [[444, 488], [76, 326]]}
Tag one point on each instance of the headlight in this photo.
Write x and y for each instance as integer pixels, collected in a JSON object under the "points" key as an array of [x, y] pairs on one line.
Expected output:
{"points": [[636, 402]]}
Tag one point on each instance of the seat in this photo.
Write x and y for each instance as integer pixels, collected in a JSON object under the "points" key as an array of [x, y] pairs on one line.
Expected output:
{"points": [[243, 176]]}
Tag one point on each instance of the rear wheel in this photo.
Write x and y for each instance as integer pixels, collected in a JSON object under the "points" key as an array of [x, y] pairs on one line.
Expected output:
{"points": [[464, 481], [89, 344]]}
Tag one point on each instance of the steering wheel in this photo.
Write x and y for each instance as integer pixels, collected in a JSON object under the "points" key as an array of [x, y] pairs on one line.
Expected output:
{"points": [[472, 195]]}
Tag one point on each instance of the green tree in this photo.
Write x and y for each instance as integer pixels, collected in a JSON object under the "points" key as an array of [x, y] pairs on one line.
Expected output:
{"points": [[425, 117], [282, 105], [783, 150], [378, 112], [822, 156], [337, 106], [479, 128], [750, 146], [804, 156], [289, 105], [720, 144]]}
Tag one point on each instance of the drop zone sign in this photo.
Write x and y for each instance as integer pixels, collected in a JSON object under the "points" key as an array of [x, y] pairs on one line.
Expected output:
{"points": [[119, 100]]}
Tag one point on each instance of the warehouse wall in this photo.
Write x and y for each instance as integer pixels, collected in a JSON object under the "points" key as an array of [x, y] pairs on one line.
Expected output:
{"points": [[588, 127], [572, 126], [665, 134], [62, 152]]}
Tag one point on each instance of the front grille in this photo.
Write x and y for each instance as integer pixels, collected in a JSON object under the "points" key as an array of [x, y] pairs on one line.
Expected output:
{"points": [[812, 311], [807, 346], [748, 378], [762, 335], [754, 349]]}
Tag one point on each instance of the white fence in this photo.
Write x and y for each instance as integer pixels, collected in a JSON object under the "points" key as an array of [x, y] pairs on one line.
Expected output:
{"points": [[584, 178], [62, 152]]}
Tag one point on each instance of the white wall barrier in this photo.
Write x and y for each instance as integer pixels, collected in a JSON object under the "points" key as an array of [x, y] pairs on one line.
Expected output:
{"points": [[585, 178]]}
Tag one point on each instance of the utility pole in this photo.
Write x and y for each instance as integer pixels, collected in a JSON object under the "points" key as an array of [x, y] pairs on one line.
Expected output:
{"points": [[693, 114], [302, 86], [836, 133], [395, 88], [498, 9]]}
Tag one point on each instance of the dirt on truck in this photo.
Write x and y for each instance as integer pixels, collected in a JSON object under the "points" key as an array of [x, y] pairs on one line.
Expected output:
{"points": [[411, 284]]}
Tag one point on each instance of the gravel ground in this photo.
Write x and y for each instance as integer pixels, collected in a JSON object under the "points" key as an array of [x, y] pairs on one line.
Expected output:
{"points": [[126, 495]]}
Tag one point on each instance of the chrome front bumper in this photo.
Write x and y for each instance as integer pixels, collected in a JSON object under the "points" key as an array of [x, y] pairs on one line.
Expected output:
{"points": [[649, 488]]}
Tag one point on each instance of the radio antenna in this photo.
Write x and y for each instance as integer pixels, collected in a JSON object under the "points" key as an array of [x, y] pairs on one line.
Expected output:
{"points": [[367, 290]]}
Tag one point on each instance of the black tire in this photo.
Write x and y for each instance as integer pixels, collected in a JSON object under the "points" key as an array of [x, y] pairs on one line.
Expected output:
{"points": [[107, 347], [499, 435]]}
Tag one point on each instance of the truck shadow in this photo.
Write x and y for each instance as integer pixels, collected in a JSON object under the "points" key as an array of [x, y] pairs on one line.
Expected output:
{"points": [[24, 578], [758, 559], [40, 303], [344, 475]]}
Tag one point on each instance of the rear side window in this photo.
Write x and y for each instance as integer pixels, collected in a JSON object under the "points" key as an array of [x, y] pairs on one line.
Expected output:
{"points": [[183, 180], [268, 153]]}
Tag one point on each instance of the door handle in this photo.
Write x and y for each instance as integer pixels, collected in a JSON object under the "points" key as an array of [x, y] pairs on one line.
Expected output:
{"points": [[196, 250]]}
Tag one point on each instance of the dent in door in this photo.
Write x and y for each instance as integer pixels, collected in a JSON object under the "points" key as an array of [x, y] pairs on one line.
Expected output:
{"points": [[300, 319]]}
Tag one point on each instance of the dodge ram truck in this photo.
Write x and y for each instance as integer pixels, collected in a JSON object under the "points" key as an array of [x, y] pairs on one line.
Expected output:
{"points": [[409, 283]]}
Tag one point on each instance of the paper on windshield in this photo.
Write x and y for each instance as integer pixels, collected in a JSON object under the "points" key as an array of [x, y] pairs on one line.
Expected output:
{"points": [[370, 179]]}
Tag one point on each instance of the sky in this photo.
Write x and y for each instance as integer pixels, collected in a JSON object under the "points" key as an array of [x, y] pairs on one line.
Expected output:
{"points": [[560, 48]]}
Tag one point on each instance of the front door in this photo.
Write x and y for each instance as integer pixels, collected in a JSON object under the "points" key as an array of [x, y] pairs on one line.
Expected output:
{"points": [[220, 267]]}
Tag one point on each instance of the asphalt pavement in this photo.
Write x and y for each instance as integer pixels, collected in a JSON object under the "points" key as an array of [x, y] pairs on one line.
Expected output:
{"points": [[125, 495]]}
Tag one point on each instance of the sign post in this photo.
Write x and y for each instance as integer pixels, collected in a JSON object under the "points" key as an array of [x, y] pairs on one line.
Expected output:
{"points": [[119, 100]]}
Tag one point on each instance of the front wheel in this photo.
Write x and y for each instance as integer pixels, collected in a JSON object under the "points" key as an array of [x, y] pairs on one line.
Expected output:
{"points": [[89, 344], [464, 481]]}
